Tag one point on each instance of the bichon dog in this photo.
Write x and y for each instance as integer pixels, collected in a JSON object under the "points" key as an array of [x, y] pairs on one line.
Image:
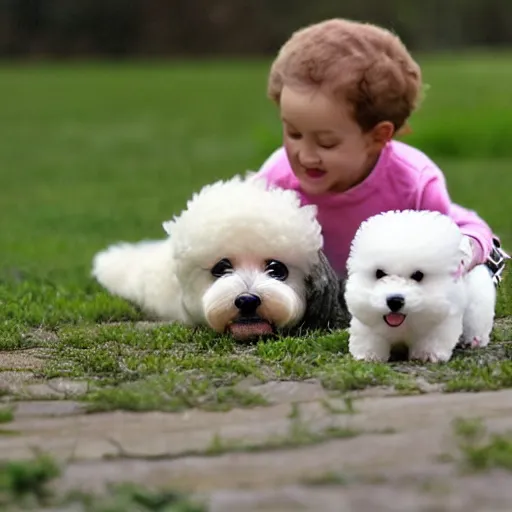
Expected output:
{"points": [[406, 285], [241, 258]]}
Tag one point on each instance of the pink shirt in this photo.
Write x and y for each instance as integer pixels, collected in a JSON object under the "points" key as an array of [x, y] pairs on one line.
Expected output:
{"points": [[403, 178]]}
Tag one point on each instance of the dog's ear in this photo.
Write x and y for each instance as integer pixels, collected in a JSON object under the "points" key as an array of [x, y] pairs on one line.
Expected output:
{"points": [[325, 302]]}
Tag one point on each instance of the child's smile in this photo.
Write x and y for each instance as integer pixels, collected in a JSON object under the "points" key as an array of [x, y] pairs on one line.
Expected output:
{"points": [[326, 148]]}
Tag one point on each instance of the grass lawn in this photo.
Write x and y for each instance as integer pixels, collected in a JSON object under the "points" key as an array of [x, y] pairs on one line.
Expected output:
{"points": [[91, 154]]}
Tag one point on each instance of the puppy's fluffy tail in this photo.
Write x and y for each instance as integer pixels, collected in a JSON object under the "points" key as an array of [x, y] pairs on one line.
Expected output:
{"points": [[142, 273]]}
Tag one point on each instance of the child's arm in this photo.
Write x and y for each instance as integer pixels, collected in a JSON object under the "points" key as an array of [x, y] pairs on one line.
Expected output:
{"points": [[275, 159], [276, 171], [434, 196]]}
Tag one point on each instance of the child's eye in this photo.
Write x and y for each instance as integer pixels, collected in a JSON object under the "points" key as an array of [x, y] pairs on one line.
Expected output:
{"points": [[294, 135], [329, 145]]}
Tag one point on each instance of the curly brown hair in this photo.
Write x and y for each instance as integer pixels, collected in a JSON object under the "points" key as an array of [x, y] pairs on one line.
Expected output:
{"points": [[366, 65]]}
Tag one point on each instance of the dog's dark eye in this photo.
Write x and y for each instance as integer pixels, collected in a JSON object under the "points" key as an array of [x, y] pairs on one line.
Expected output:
{"points": [[379, 274], [221, 268], [276, 270], [417, 276]]}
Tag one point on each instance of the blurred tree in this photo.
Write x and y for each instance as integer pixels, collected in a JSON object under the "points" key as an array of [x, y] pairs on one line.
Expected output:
{"points": [[66, 28]]}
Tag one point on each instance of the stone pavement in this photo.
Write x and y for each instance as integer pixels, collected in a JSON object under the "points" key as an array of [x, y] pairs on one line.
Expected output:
{"points": [[387, 454]]}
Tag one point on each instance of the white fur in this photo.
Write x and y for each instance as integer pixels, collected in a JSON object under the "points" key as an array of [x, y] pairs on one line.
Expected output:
{"points": [[237, 219], [439, 309]]}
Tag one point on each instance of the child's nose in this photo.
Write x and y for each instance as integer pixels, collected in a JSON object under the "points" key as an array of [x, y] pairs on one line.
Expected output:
{"points": [[309, 158]]}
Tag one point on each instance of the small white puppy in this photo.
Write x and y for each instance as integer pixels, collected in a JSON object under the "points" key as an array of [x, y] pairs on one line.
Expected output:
{"points": [[240, 258], [405, 285]]}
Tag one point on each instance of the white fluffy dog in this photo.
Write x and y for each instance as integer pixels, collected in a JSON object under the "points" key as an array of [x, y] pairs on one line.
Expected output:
{"points": [[405, 285], [240, 258]]}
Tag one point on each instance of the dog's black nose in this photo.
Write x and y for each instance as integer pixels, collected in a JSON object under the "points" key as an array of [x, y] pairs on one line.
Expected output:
{"points": [[247, 303], [395, 302]]}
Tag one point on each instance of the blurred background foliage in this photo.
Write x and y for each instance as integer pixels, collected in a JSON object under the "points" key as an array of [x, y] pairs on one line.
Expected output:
{"points": [[117, 28]]}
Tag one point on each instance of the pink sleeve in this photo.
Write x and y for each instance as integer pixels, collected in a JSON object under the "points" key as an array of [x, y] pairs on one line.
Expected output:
{"points": [[274, 169], [270, 165], [434, 196]]}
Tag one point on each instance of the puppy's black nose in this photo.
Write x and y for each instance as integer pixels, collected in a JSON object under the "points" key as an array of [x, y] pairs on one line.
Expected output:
{"points": [[247, 303], [395, 302]]}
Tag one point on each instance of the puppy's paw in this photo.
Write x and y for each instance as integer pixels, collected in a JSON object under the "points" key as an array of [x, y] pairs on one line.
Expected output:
{"points": [[430, 356], [475, 341], [371, 357], [374, 353], [365, 345]]}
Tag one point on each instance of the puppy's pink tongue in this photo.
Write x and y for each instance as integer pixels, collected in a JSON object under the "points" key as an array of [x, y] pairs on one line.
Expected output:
{"points": [[394, 319], [243, 331]]}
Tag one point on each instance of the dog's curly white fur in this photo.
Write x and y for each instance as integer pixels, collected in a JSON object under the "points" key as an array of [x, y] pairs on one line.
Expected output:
{"points": [[240, 258], [405, 285]]}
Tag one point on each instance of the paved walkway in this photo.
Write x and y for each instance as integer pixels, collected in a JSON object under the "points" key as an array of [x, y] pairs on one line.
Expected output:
{"points": [[305, 452]]}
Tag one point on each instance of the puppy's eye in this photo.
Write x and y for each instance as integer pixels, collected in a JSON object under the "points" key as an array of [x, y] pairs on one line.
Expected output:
{"points": [[221, 268], [276, 270], [417, 276], [379, 274]]}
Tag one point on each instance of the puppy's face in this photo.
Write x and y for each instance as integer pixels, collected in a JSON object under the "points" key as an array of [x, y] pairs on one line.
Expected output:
{"points": [[394, 297], [403, 270], [243, 295], [243, 253]]}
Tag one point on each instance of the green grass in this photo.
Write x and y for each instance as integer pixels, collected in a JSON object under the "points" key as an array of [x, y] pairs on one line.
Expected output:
{"points": [[480, 451], [6, 414], [95, 153], [172, 368], [25, 485], [26, 482]]}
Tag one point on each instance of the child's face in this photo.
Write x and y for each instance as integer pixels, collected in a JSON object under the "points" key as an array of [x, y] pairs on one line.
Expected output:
{"points": [[326, 147]]}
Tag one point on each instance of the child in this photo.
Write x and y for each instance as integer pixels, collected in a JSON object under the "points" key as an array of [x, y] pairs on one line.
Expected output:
{"points": [[344, 89]]}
